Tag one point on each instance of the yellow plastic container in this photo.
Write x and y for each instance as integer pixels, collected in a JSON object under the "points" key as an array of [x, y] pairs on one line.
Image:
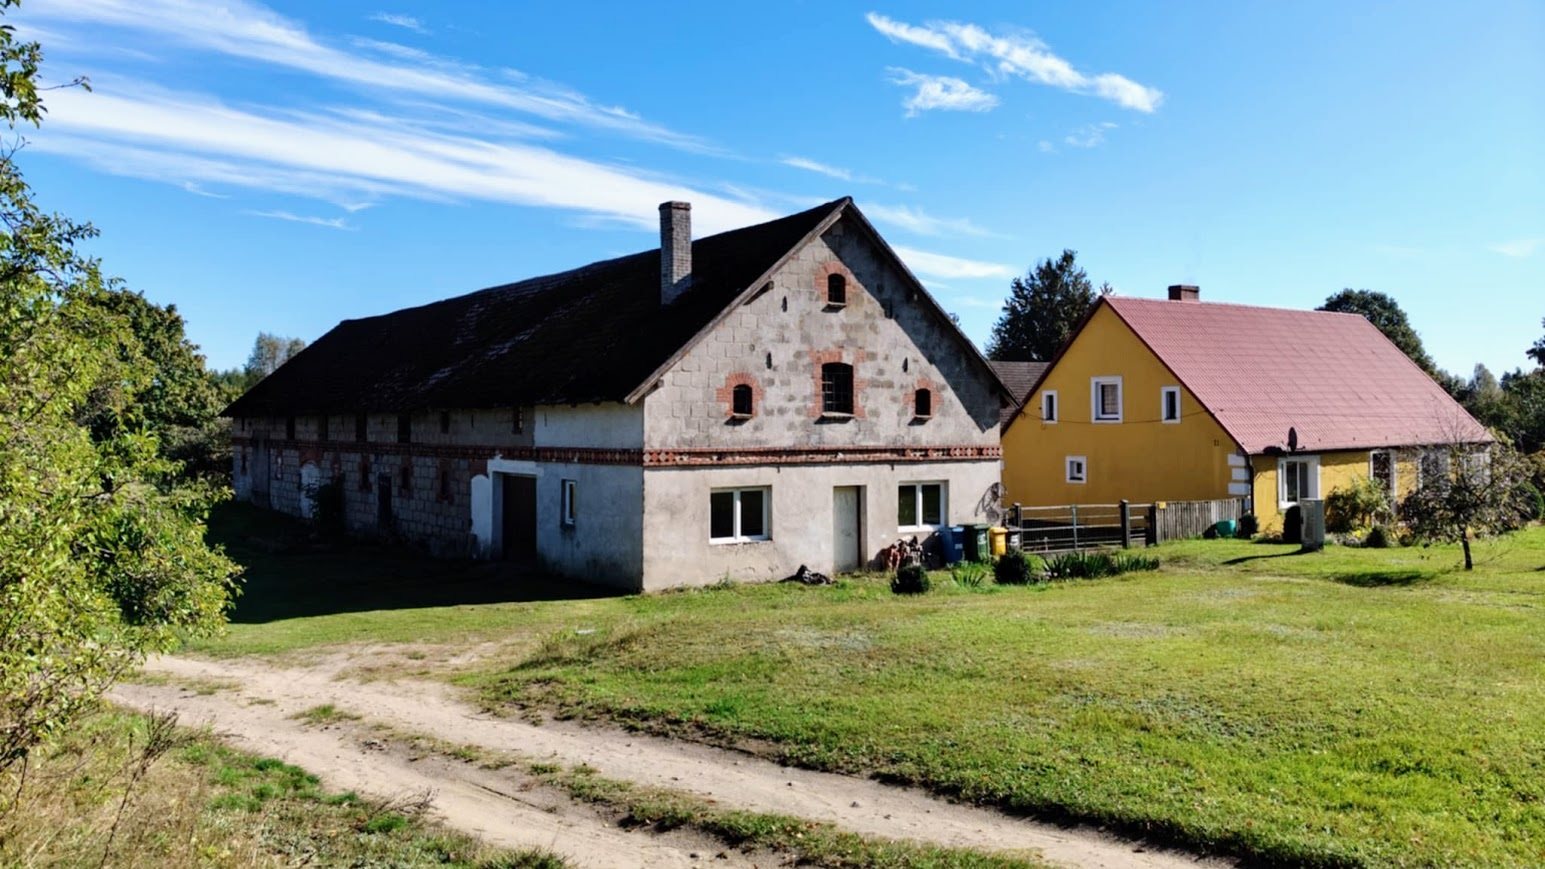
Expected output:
{"points": [[999, 538]]}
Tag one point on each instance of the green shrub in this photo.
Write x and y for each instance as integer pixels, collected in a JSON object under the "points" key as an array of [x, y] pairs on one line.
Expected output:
{"points": [[969, 574], [1248, 527], [1380, 537], [1358, 505], [1016, 568], [910, 579], [1095, 565]]}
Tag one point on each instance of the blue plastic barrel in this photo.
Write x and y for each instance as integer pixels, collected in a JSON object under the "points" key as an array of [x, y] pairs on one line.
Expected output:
{"points": [[954, 537]]}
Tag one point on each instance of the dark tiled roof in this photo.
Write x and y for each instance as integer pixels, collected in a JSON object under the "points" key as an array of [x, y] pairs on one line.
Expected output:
{"points": [[1334, 378], [591, 334], [1019, 377]]}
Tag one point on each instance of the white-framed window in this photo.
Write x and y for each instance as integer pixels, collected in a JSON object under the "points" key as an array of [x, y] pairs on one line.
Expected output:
{"points": [[1049, 405], [1169, 404], [1077, 469], [1105, 399], [566, 508], [921, 505], [1298, 479], [1381, 469], [739, 515]]}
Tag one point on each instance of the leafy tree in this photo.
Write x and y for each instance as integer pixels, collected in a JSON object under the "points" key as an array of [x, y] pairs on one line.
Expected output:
{"points": [[1469, 489], [1042, 310], [1386, 315], [103, 548], [269, 352], [1537, 352]]}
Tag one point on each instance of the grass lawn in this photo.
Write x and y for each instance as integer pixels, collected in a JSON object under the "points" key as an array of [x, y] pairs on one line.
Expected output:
{"points": [[1353, 707]]}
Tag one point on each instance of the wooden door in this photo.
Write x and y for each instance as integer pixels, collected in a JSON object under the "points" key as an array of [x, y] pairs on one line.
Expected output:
{"points": [[847, 525], [519, 514]]}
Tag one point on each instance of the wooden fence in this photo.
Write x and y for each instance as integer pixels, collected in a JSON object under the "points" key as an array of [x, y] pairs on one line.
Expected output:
{"points": [[1177, 520], [1090, 526]]}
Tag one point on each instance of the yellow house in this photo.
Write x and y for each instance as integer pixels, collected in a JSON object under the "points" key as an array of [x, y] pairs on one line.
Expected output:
{"points": [[1179, 400]]}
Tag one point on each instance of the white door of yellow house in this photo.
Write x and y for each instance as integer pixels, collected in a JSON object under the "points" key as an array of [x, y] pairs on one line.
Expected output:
{"points": [[847, 539]]}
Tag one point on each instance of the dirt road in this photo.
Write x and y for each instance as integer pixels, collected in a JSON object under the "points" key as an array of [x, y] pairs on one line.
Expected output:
{"points": [[257, 716]]}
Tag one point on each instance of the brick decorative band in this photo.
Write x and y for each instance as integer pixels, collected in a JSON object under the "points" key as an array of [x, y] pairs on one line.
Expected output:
{"points": [[682, 458], [817, 456]]}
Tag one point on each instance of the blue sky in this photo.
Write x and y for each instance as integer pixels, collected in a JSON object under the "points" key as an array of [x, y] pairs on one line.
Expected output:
{"points": [[281, 167]]}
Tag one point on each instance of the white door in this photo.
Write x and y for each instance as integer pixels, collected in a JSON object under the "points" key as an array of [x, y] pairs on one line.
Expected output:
{"points": [[847, 539]]}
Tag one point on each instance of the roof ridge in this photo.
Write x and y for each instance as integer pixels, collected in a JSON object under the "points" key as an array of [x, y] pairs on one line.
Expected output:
{"points": [[1212, 304]]}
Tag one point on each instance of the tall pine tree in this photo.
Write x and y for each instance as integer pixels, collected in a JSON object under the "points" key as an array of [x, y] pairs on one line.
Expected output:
{"points": [[1042, 310]]}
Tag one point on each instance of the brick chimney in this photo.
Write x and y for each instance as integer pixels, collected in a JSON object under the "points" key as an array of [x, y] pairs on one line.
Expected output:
{"points": [[675, 250], [1185, 293]]}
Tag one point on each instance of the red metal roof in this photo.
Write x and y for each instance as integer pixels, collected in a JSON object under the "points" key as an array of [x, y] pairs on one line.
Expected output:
{"points": [[1333, 378]]}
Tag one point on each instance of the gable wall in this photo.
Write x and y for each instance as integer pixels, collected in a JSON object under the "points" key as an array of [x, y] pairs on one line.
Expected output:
{"points": [[1140, 459], [692, 408]]}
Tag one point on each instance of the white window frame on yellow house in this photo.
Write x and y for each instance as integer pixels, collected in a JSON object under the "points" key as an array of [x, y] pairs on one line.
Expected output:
{"points": [[1164, 395], [1049, 400], [1082, 463], [1095, 384], [1312, 478], [1394, 470]]}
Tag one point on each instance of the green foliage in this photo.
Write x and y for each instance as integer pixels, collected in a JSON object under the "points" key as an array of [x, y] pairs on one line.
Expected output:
{"points": [[1097, 565], [269, 352], [1468, 490], [1042, 310], [104, 557], [1386, 315], [1380, 537], [1015, 567], [1537, 352], [1357, 505], [910, 579], [969, 574]]}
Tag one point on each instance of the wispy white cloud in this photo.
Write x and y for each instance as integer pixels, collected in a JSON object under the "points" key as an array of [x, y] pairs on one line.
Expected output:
{"points": [[407, 22], [239, 28], [329, 222], [1088, 136], [818, 168], [1046, 147], [1518, 248], [1017, 54], [199, 191], [942, 266], [352, 159], [940, 92], [918, 221]]}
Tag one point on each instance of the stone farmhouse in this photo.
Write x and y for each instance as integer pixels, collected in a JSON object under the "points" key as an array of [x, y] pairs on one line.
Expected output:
{"points": [[734, 406]]}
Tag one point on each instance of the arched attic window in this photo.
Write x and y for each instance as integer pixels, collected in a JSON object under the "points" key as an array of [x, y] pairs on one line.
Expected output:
{"points": [[836, 290], [837, 389], [742, 403], [922, 403]]}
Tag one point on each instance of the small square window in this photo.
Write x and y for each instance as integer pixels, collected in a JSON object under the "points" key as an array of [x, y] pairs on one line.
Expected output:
{"points": [[1169, 404], [837, 389], [739, 515], [1049, 406], [1077, 469], [920, 505]]}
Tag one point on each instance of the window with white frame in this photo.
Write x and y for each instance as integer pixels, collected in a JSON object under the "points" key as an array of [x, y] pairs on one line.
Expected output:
{"points": [[739, 515], [1077, 469], [1169, 404], [1049, 406], [566, 508], [921, 505], [1298, 479], [1105, 399]]}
